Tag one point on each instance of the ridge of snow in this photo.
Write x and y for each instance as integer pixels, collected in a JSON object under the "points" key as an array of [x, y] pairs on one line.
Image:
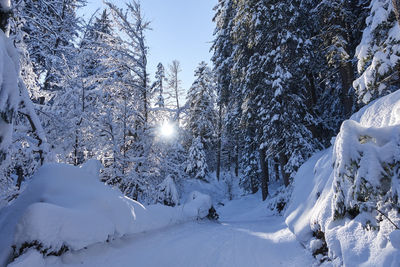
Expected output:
{"points": [[64, 205]]}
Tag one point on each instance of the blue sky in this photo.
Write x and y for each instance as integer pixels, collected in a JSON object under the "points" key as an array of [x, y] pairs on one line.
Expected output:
{"points": [[182, 30]]}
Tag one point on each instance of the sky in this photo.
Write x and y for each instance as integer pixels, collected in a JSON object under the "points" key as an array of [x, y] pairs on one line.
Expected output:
{"points": [[181, 30]]}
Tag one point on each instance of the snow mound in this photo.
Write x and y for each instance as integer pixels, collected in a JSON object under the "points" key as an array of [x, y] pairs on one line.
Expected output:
{"points": [[346, 198], [198, 205], [68, 208]]}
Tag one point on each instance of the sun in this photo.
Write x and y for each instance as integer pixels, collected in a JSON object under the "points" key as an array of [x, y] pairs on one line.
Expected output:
{"points": [[167, 129]]}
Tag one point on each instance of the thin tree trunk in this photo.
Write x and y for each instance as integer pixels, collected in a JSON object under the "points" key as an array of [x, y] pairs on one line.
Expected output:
{"points": [[264, 175], [283, 161], [347, 77], [312, 89], [237, 156], [145, 96], [276, 167], [20, 174], [219, 145]]}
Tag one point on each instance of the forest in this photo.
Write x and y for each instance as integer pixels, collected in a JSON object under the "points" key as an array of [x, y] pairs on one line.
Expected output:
{"points": [[297, 114]]}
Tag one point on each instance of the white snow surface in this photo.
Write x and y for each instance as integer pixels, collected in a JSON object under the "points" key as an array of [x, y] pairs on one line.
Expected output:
{"points": [[68, 206], [312, 203], [247, 235]]}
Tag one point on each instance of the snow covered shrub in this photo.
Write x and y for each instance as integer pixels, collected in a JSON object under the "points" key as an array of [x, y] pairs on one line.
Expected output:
{"points": [[167, 193], [279, 198], [212, 214], [198, 205], [366, 170]]}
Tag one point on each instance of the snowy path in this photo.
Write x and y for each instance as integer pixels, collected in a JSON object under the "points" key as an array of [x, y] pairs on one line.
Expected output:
{"points": [[251, 239]]}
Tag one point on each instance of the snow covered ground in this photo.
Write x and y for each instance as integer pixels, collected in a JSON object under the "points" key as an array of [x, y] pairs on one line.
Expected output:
{"points": [[245, 236]]}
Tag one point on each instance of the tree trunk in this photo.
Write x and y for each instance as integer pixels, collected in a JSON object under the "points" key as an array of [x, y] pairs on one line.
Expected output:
{"points": [[283, 161], [219, 145], [20, 174], [311, 89], [347, 77], [145, 96], [276, 167], [264, 174], [237, 156]]}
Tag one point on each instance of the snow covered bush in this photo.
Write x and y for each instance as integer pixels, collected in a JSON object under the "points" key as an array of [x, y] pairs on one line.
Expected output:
{"points": [[366, 171], [67, 208], [198, 205], [345, 201], [167, 193]]}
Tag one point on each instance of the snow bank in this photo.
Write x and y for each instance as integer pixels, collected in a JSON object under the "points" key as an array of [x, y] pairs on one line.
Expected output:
{"points": [[339, 193], [68, 208]]}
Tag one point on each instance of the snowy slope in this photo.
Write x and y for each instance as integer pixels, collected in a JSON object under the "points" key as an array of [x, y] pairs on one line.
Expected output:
{"points": [[66, 207], [370, 139]]}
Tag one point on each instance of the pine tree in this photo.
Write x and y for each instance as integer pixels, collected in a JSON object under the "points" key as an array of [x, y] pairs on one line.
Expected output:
{"points": [[158, 86], [377, 53], [201, 111], [196, 164]]}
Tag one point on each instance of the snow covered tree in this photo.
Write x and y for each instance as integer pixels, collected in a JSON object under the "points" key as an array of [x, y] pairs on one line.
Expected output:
{"points": [[378, 53], [196, 164], [23, 147], [158, 86], [50, 27], [167, 193], [175, 91], [201, 100], [133, 24], [340, 23], [9, 96]]}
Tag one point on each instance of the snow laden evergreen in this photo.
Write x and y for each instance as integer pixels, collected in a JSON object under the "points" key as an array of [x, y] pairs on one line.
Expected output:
{"points": [[167, 192], [158, 86], [260, 53], [201, 121], [378, 52], [196, 164]]}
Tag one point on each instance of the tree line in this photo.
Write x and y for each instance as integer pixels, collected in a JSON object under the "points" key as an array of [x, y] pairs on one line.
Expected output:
{"points": [[285, 75], [289, 72]]}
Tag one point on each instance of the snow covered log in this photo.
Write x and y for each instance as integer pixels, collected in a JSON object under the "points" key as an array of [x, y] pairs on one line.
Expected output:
{"points": [[345, 202], [67, 208]]}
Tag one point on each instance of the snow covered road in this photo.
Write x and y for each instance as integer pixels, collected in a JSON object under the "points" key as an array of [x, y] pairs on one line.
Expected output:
{"points": [[243, 237]]}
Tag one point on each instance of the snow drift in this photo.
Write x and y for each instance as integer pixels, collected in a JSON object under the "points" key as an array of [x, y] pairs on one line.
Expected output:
{"points": [[68, 208], [345, 201]]}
